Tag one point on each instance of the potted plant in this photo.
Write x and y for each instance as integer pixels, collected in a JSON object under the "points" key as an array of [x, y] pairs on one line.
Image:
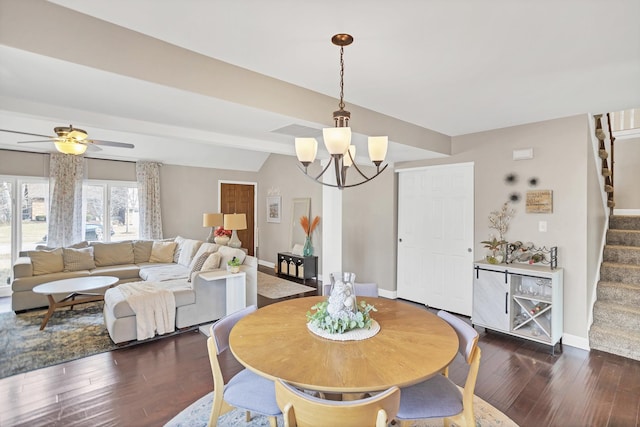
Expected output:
{"points": [[233, 265], [495, 246]]}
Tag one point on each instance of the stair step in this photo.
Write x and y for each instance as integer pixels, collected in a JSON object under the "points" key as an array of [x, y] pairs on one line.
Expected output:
{"points": [[621, 293], [624, 222], [623, 237], [617, 272], [622, 254], [616, 315], [615, 341]]}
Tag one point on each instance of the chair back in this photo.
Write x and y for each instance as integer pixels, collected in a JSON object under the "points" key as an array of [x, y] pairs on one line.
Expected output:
{"points": [[303, 410], [222, 328], [360, 289], [467, 335]]}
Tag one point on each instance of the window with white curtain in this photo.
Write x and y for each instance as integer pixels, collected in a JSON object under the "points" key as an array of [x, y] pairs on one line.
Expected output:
{"points": [[110, 209]]}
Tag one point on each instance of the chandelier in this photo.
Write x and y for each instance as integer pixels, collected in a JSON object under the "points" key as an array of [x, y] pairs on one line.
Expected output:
{"points": [[337, 140]]}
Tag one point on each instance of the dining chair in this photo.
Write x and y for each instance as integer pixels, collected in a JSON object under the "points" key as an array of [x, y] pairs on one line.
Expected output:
{"points": [[361, 289], [301, 409], [439, 397], [246, 390]]}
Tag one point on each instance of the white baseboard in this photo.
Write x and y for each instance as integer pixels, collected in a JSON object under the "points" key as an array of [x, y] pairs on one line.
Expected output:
{"points": [[626, 211], [387, 294], [575, 341], [266, 263], [5, 291]]}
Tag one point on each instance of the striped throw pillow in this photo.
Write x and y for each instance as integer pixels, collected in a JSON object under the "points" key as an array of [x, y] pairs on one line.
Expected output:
{"points": [[197, 266], [78, 259]]}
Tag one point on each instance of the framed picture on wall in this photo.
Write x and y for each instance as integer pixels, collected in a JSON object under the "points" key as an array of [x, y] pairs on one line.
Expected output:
{"points": [[274, 208]]}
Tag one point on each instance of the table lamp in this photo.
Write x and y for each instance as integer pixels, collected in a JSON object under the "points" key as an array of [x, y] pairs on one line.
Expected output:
{"points": [[235, 222], [212, 220]]}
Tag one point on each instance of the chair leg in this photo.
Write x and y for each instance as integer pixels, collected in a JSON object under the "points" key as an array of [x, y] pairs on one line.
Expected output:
{"points": [[247, 416], [273, 422]]}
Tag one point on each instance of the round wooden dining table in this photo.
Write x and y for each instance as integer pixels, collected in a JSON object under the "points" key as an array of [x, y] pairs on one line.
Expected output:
{"points": [[412, 345]]}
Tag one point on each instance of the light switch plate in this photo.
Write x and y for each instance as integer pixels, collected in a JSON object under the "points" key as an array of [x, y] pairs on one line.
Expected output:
{"points": [[542, 226]]}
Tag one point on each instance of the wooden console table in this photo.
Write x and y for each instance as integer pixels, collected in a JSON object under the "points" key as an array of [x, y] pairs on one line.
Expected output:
{"points": [[297, 267]]}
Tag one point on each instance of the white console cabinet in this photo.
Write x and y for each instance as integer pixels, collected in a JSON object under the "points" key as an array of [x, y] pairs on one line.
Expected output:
{"points": [[519, 299]]}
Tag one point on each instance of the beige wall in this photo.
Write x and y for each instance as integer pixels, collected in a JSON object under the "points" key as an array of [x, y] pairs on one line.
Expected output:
{"points": [[369, 229], [280, 176], [561, 163], [626, 173], [188, 192]]}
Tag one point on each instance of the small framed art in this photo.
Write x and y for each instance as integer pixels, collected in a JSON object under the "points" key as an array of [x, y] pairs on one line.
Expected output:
{"points": [[274, 208]]}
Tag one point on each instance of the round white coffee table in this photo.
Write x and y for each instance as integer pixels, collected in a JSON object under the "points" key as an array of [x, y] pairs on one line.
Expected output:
{"points": [[75, 287]]}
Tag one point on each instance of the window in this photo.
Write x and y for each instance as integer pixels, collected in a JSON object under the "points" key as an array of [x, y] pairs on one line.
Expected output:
{"points": [[110, 211]]}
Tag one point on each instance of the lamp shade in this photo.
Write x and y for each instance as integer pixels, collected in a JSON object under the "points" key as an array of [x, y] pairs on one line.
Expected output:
{"points": [[337, 140], [346, 160], [378, 148], [68, 147], [212, 219], [306, 149], [235, 221]]}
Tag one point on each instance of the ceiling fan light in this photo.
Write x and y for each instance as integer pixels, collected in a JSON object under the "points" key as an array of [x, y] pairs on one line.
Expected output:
{"points": [[76, 134], [337, 140], [378, 148], [306, 150], [67, 147]]}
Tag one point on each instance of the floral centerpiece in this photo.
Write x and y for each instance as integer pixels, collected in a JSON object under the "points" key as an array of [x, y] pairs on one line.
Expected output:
{"points": [[308, 228], [499, 221], [341, 312], [222, 236]]}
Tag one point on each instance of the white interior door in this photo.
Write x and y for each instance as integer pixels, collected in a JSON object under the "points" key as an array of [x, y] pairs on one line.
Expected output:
{"points": [[435, 236]]}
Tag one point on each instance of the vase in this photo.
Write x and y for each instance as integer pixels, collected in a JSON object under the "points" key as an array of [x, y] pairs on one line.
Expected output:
{"points": [[307, 250], [222, 240]]}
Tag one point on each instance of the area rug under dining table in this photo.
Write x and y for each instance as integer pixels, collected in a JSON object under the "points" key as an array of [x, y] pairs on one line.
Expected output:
{"points": [[197, 414], [273, 287]]}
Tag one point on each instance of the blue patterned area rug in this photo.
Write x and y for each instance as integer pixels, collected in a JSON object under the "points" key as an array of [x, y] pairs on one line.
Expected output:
{"points": [[197, 415]]}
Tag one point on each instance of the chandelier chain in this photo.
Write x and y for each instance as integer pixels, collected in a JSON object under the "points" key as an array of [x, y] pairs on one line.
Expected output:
{"points": [[341, 104]]}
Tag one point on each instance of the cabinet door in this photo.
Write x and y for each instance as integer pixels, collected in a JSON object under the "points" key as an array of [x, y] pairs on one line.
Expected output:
{"points": [[491, 299]]}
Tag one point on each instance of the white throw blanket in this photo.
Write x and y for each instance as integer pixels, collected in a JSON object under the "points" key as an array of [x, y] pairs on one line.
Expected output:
{"points": [[155, 308]]}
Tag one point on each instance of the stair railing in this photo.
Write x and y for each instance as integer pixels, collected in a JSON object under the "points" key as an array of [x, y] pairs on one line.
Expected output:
{"points": [[605, 152]]}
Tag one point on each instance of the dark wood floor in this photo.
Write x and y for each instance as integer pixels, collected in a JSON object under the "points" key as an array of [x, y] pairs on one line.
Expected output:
{"points": [[146, 385]]}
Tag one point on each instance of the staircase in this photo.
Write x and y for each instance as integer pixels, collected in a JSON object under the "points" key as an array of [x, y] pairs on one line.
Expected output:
{"points": [[616, 313]]}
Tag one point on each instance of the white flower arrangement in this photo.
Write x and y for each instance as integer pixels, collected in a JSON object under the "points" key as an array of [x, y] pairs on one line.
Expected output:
{"points": [[340, 312]]}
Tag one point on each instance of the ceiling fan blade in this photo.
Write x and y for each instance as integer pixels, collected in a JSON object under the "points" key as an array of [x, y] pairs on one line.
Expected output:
{"points": [[113, 144], [29, 142], [26, 133], [92, 147]]}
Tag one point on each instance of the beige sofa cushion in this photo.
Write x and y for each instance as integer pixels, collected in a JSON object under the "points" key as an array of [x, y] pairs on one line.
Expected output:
{"points": [[47, 262], [106, 254], [78, 259], [142, 250], [162, 252]]}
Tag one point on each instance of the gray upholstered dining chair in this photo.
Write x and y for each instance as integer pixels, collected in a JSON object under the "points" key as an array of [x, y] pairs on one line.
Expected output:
{"points": [[300, 409], [246, 390], [439, 397], [361, 289]]}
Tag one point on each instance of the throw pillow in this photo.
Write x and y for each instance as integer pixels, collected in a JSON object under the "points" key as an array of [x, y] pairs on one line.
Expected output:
{"points": [[117, 253], [78, 259], [176, 253], [45, 262], [188, 248], [162, 251], [212, 262], [142, 250], [204, 247], [197, 266]]}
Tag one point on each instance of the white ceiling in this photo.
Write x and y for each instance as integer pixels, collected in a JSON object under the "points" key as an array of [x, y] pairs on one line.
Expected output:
{"points": [[454, 67]]}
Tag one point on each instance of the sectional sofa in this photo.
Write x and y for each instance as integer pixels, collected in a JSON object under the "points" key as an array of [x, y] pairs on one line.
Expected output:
{"points": [[174, 264]]}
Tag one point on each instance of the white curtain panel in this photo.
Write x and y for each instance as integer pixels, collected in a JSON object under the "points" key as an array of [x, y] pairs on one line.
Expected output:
{"points": [[148, 176], [66, 178]]}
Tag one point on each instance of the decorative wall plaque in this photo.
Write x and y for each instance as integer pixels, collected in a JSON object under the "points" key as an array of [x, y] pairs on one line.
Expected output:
{"points": [[539, 201]]}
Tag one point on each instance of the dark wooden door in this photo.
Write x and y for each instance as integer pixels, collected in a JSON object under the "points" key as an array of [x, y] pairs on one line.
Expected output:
{"points": [[239, 198]]}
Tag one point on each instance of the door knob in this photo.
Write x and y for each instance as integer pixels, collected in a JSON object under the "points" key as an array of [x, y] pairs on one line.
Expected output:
{"points": [[468, 249], [400, 240]]}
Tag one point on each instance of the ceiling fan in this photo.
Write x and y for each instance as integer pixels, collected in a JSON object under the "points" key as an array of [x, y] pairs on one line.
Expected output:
{"points": [[70, 140]]}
